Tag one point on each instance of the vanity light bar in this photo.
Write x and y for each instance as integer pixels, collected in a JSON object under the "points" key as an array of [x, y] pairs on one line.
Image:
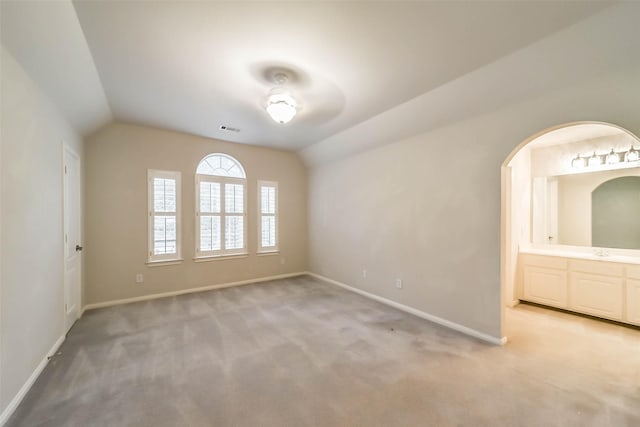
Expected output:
{"points": [[610, 158]]}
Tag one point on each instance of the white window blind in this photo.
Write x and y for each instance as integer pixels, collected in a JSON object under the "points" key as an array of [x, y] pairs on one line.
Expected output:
{"points": [[164, 218], [234, 219], [210, 214], [221, 201], [268, 223]]}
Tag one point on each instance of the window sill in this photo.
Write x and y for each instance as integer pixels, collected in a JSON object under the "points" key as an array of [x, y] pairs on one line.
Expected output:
{"points": [[219, 257], [267, 253], [160, 263]]}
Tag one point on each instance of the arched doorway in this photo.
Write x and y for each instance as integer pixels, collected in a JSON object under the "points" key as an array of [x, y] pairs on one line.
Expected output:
{"points": [[571, 148]]}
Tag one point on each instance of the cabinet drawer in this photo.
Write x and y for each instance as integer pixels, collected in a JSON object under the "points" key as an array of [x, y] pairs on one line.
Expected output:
{"points": [[545, 286], [597, 267], [544, 261], [633, 271], [633, 301], [596, 295]]}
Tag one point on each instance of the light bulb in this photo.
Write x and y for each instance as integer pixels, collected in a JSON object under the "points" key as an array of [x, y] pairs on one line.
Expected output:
{"points": [[595, 160], [632, 155], [613, 157], [578, 162]]}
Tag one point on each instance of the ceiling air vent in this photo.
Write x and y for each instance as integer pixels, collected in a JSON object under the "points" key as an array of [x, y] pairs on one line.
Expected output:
{"points": [[229, 128]]}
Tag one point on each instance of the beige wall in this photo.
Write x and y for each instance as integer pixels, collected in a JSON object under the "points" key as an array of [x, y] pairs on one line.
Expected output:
{"points": [[117, 159], [31, 285], [427, 208], [401, 211]]}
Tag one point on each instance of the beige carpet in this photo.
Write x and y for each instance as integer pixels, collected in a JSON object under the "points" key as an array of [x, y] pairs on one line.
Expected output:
{"points": [[300, 352]]}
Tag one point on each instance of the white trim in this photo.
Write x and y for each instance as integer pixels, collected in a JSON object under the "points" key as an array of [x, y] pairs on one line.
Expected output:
{"points": [[160, 263], [267, 253], [11, 407], [189, 291], [430, 317], [219, 257]]}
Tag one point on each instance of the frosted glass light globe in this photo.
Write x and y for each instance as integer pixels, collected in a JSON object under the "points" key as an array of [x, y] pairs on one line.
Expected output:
{"points": [[281, 107]]}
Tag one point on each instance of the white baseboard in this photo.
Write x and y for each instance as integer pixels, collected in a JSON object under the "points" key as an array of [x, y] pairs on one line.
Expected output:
{"points": [[187, 291], [430, 317], [11, 407]]}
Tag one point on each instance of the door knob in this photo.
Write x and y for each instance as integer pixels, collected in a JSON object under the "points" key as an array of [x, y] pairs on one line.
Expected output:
{"points": [[78, 248]]}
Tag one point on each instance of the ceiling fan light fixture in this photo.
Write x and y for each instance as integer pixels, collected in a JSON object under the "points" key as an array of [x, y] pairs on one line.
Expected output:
{"points": [[281, 106]]}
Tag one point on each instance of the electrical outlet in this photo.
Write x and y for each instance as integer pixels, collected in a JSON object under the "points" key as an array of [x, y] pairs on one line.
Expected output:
{"points": [[282, 261], [399, 283], [139, 278], [364, 274]]}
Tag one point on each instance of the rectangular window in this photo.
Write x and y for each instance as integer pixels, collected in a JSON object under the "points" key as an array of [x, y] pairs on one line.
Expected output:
{"points": [[221, 216], [164, 215], [210, 213], [268, 221]]}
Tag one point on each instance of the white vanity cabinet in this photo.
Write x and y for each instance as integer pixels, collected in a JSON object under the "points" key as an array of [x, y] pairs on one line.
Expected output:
{"points": [[545, 280], [600, 288], [633, 295], [596, 288]]}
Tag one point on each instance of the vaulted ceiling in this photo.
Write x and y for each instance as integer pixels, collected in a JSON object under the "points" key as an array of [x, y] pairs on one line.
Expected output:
{"points": [[193, 66]]}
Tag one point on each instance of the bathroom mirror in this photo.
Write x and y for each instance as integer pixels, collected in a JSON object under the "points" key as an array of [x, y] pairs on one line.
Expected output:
{"points": [[615, 213], [597, 209]]}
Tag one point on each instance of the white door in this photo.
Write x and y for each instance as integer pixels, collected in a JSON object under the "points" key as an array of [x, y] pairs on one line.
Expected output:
{"points": [[72, 237]]}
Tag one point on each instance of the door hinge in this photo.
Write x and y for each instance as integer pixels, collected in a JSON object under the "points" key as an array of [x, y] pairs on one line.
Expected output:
{"points": [[65, 169]]}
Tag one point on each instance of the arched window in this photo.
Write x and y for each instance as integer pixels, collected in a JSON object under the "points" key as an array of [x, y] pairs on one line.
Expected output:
{"points": [[220, 165], [221, 206]]}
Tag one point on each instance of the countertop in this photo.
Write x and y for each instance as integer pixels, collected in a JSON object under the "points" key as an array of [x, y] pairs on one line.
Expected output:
{"points": [[583, 253]]}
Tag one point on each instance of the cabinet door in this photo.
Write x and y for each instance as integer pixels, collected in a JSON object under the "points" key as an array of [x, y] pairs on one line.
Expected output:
{"points": [[596, 295], [633, 301], [545, 286]]}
